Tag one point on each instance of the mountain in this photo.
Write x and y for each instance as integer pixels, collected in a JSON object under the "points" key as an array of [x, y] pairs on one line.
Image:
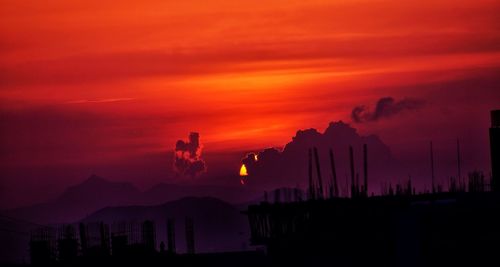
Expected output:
{"points": [[98, 199], [79, 200], [96, 193], [267, 170], [218, 225], [162, 192]]}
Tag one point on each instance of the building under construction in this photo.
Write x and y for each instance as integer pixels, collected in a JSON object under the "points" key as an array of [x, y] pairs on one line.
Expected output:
{"points": [[93, 243], [397, 228], [126, 244], [42, 246], [495, 148], [406, 230]]}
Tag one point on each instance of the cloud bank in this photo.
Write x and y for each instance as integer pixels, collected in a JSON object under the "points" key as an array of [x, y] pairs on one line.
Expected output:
{"points": [[273, 167]]}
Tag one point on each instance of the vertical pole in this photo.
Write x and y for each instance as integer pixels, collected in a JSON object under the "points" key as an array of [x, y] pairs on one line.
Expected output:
{"points": [[365, 168], [171, 235], [459, 165], [353, 183], [334, 172], [83, 238], [318, 170], [190, 235], [432, 169], [310, 172]]}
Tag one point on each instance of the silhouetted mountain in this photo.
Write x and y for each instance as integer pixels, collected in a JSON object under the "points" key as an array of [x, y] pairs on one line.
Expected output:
{"points": [[96, 193], [161, 193], [219, 226], [79, 200]]}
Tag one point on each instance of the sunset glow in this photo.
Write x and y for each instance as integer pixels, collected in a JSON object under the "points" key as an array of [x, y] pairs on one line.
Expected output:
{"points": [[85, 85]]}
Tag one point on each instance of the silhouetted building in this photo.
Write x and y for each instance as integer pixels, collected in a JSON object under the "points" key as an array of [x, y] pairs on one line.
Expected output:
{"points": [[61, 247], [119, 245], [42, 246], [441, 229], [476, 182], [365, 170], [83, 237], [495, 149], [149, 235], [94, 240], [190, 235], [398, 228], [67, 244], [68, 250], [171, 235]]}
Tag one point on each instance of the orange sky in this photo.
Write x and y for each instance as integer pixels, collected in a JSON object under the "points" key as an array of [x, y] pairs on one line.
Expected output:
{"points": [[101, 80]]}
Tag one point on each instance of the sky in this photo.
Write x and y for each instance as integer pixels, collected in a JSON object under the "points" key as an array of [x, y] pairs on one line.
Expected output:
{"points": [[110, 86]]}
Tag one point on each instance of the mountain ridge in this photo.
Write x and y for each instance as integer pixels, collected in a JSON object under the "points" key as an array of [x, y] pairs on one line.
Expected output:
{"points": [[95, 193]]}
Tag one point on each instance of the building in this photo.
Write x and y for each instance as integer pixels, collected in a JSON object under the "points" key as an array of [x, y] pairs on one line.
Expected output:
{"points": [[495, 149], [149, 235], [441, 229], [43, 246]]}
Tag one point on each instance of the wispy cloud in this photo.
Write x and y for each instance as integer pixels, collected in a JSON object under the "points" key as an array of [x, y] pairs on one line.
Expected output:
{"points": [[105, 100]]}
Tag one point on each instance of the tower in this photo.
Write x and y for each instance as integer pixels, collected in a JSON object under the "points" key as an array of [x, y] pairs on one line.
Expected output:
{"points": [[148, 231], [171, 235], [432, 169], [189, 235], [495, 150], [365, 170]]}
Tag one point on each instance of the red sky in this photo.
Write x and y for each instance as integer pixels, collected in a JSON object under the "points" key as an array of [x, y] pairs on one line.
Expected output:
{"points": [[100, 83]]}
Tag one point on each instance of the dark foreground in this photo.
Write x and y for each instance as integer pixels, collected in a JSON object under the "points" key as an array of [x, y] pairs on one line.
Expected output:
{"points": [[441, 229]]}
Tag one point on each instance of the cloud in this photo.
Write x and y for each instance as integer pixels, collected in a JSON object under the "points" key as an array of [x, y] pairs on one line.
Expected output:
{"points": [[105, 100], [386, 107], [188, 160], [273, 167]]}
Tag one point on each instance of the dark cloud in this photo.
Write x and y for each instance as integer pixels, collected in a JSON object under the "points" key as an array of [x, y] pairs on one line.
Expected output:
{"points": [[386, 107], [275, 167], [188, 160]]}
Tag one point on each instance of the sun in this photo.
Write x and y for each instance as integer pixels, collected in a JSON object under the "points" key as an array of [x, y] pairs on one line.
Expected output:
{"points": [[243, 170]]}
